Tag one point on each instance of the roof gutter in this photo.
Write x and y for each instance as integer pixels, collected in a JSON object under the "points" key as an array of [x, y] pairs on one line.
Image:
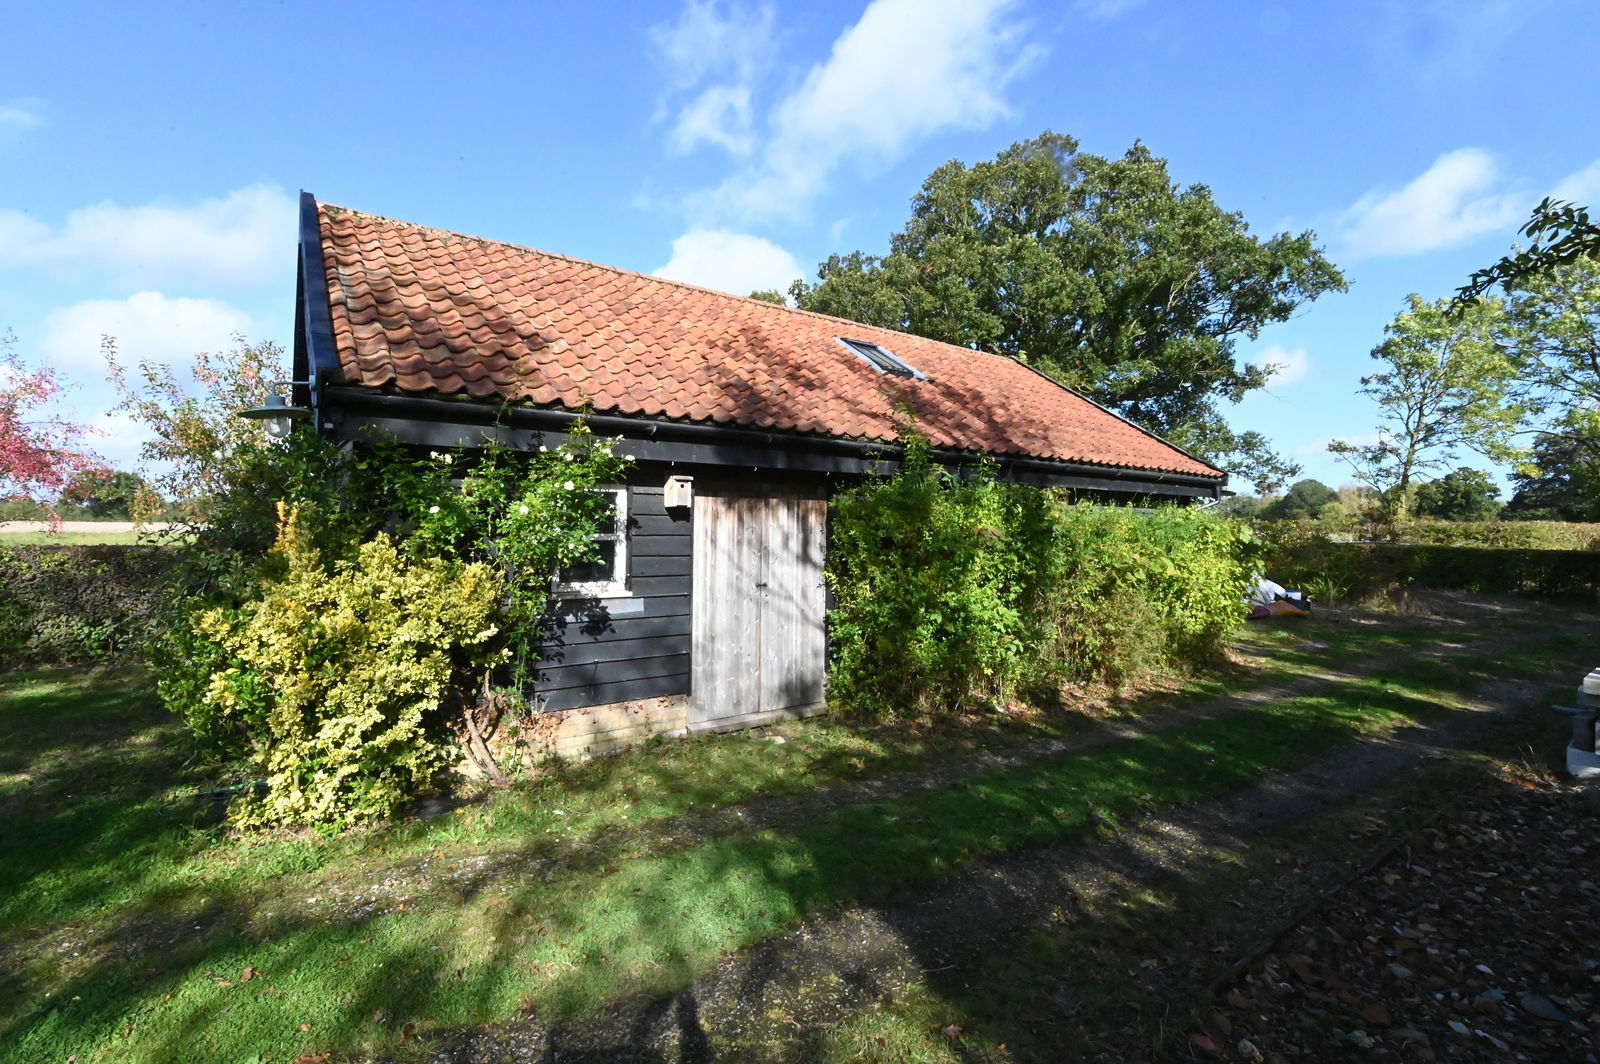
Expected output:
{"points": [[358, 399]]}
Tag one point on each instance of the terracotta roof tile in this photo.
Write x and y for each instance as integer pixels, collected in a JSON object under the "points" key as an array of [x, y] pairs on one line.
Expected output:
{"points": [[427, 311]]}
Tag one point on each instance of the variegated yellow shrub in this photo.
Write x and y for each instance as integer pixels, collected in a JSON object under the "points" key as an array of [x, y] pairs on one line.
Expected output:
{"points": [[343, 670]]}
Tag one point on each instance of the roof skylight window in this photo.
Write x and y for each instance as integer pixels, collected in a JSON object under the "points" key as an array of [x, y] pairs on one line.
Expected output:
{"points": [[882, 359]]}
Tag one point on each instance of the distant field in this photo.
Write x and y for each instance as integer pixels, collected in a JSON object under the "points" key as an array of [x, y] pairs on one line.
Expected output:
{"points": [[74, 533]]}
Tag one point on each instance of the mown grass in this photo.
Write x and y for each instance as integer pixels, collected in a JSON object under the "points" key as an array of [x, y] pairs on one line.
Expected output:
{"points": [[1121, 956], [68, 539], [135, 932]]}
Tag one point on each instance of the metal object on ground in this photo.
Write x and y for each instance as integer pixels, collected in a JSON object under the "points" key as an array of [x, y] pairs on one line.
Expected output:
{"points": [[1582, 761]]}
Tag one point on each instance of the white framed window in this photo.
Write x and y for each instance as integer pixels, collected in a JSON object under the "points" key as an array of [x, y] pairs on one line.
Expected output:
{"points": [[607, 575]]}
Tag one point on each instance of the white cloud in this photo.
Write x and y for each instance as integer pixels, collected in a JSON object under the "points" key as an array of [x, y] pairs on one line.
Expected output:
{"points": [[118, 439], [906, 70], [241, 239], [1287, 364], [724, 52], [20, 114], [1581, 187], [730, 262], [1455, 199], [148, 326], [704, 43], [720, 115]]}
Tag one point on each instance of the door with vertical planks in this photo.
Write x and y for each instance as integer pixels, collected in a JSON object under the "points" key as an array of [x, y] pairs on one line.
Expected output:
{"points": [[758, 645]]}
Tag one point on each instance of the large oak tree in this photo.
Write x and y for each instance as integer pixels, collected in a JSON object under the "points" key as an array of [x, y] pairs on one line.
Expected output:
{"points": [[1101, 272]]}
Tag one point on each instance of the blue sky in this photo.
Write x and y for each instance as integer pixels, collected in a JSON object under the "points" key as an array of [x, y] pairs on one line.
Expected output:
{"points": [[153, 152]]}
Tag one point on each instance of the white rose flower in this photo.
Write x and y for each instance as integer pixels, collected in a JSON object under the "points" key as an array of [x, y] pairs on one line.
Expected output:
{"points": [[568, 485], [543, 449], [569, 456], [522, 509], [433, 509]]}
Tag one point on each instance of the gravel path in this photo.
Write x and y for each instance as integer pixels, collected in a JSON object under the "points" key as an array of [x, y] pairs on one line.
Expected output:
{"points": [[1475, 941]]}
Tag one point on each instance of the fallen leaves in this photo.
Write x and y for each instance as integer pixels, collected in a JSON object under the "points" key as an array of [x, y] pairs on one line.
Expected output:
{"points": [[1471, 958]]}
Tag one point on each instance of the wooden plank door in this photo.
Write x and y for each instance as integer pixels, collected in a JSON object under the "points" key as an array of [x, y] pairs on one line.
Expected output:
{"points": [[759, 603]]}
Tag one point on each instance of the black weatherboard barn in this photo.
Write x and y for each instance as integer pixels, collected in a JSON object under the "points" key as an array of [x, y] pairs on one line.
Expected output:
{"points": [[707, 608]]}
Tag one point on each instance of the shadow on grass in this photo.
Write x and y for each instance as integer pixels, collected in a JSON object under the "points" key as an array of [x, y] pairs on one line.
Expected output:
{"points": [[196, 972], [92, 760]]}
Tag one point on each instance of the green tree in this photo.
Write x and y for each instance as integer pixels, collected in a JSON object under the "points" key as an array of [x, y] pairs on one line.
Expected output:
{"points": [[104, 494], [1101, 272], [769, 295], [1304, 501], [1465, 494], [1560, 483], [1554, 318], [1561, 232], [201, 454], [1243, 506], [1443, 389], [1356, 505]]}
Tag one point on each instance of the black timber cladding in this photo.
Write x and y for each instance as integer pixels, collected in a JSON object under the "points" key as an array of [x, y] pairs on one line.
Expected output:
{"points": [[604, 650]]}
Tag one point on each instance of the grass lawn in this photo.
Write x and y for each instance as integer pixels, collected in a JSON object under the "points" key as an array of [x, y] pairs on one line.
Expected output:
{"points": [[68, 539], [134, 930]]}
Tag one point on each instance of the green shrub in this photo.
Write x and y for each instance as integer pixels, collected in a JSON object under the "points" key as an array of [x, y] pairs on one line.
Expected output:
{"points": [[1129, 590], [405, 583], [919, 569], [1519, 535], [79, 604], [336, 676], [949, 591], [1300, 557], [1524, 535]]}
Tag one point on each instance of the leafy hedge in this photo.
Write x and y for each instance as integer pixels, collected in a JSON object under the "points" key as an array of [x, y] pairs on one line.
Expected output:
{"points": [[79, 604], [949, 592], [1522, 535], [1332, 570]]}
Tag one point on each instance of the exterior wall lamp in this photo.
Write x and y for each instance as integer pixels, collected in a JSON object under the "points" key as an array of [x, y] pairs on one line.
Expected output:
{"points": [[276, 411]]}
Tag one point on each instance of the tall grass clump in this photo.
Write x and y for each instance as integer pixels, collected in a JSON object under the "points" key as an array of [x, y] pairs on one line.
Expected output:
{"points": [[954, 591]]}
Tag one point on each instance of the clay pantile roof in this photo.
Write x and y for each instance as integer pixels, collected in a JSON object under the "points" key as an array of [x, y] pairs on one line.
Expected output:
{"points": [[433, 313]]}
